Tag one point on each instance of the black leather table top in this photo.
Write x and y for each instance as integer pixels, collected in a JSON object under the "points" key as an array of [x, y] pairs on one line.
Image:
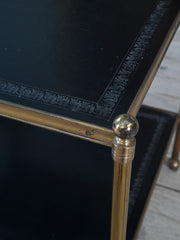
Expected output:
{"points": [[80, 59], [55, 187]]}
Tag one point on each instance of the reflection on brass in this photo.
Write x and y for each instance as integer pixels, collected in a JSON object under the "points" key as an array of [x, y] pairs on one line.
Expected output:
{"points": [[173, 164], [120, 198], [174, 161], [90, 132], [125, 128], [123, 150]]}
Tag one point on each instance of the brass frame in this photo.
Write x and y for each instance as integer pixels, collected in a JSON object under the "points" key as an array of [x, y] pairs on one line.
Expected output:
{"points": [[125, 128], [83, 130]]}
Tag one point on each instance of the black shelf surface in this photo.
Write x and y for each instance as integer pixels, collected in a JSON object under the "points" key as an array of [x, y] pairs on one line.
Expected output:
{"points": [[53, 186], [80, 59]]}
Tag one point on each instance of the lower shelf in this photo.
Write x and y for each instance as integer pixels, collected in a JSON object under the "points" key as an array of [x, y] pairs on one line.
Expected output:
{"points": [[57, 187], [155, 131]]}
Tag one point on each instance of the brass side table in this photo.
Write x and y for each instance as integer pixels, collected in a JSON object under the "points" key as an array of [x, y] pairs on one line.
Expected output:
{"points": [[82, 69]]}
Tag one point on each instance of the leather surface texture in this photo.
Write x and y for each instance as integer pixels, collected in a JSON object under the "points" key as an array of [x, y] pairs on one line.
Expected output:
{"points": [[81, 59]]}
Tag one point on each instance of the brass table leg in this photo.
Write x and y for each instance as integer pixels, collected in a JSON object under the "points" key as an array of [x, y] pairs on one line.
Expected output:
{"points": [[125, 128], [174, 160]]}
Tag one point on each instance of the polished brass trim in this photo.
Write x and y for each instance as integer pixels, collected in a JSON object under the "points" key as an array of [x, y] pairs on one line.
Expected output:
{"points": [[120, 199], [136, 104], [123, 150], [90, 132], [155, 180], [125, 128]]}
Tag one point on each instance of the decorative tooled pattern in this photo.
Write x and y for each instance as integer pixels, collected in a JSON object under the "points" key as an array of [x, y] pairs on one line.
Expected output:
{"points": [[52, 98], [134, 57], [115, 89]]}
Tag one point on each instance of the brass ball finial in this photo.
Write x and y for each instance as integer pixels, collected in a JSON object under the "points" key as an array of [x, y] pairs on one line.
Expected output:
{"points": [[173, 164], [125, 126]]}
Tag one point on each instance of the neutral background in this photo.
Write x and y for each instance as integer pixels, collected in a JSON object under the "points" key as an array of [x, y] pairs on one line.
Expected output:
{"points": [[162, 219]]}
